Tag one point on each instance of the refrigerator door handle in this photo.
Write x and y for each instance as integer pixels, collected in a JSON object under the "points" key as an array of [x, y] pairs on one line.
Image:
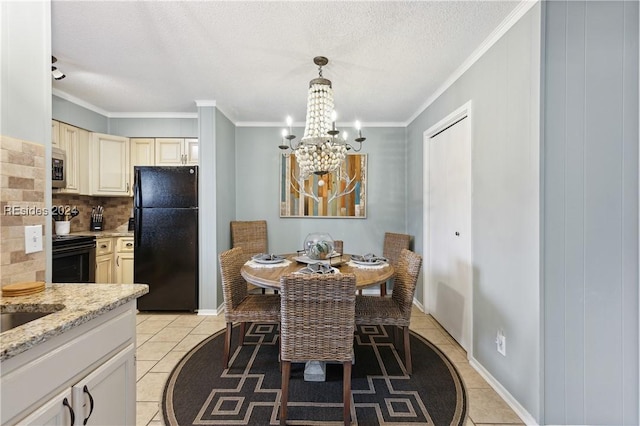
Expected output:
{"points": [[138, 229], [137, 196]]}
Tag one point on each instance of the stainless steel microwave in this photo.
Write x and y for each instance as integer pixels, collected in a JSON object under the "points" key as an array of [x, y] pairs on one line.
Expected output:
{"points": [[58, 168]]}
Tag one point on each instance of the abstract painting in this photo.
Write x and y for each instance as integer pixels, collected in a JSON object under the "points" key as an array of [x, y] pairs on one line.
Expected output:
{"points": [[339, 194]]}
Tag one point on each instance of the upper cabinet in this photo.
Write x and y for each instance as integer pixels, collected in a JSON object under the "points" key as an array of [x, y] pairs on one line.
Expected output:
{"points": [[176, 151], [142, 153], [110, 165], [55, 134], [75, 142], [102, 165]]}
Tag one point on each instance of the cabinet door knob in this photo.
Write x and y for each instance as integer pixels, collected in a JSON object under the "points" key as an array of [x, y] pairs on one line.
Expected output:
{"points": [[129, 244]]}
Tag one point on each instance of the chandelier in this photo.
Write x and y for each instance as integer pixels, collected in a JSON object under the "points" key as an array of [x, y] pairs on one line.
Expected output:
{"points": [[322, 149]]}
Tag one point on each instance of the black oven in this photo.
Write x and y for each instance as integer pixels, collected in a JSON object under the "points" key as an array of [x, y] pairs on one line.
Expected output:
{"points": [[73, 258]]}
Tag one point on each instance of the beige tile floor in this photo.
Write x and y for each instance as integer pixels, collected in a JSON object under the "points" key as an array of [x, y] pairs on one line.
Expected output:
{"points": [[163, 339]]}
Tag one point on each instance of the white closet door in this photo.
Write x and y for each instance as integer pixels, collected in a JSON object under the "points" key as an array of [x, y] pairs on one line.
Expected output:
{"points": [[449, 229]]}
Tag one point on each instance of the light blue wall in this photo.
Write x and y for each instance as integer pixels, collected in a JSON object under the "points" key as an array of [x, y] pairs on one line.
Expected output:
{"points": [[76, 115], [25, 94], [503, 86], [591, 213], [207, 208], [154, 127], [257, 191], [225, 185]]}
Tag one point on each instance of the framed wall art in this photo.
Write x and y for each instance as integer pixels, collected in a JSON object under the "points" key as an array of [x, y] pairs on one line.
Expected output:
{"points": [[339, 194]]}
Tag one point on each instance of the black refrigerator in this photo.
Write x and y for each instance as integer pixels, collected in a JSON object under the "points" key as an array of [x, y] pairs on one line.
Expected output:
{"points": [[166, 237]]}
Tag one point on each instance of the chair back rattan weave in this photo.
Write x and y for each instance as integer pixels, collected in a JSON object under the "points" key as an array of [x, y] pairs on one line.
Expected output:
{"points": [[317, 317], [250, 235], [234, 287], [406, 278], [393, 246]]}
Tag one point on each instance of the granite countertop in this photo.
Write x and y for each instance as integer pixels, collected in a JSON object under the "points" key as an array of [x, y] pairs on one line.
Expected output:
{"points": [[108, 233], [74, 304]]}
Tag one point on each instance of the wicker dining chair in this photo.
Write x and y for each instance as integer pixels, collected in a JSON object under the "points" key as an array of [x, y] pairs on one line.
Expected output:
{"points": [[239, 305], [394, 310], [391, 249], [251, 236], [317, 324]]}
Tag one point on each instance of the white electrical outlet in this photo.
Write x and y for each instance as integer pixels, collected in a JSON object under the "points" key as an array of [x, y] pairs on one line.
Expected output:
{"points": [[501, 343], [32, 238]]}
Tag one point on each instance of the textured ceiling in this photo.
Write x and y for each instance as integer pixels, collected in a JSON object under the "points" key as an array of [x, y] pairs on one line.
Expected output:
{"points": [[255, 59]]}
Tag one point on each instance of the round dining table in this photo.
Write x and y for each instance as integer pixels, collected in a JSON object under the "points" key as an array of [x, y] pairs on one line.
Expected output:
{"points": [[269, 277]]}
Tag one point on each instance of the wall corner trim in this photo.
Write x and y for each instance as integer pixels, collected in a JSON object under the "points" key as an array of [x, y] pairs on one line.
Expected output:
{"points": [[205, 103], [524, 415]]}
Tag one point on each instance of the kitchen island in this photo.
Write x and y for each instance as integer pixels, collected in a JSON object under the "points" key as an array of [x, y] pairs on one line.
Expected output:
{"points": [[75, 362]]}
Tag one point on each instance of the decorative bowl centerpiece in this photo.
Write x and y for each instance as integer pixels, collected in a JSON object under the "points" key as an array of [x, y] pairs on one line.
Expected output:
{"points": [[318, 245]]}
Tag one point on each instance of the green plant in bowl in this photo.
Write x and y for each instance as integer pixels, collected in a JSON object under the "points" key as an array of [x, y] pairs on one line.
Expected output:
{"points": [[320, 250]]}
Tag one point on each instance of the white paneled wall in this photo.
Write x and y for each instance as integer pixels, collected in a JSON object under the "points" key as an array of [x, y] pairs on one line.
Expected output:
{"points": [[591, 213]]}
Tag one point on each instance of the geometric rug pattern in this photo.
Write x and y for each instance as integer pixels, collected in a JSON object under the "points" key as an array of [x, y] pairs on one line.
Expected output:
{"points": [[200, 392]]}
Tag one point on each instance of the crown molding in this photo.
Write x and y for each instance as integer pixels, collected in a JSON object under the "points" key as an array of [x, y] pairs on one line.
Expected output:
{"points": [[515, 15], [343, 125], [79, 102], [154, 115]]}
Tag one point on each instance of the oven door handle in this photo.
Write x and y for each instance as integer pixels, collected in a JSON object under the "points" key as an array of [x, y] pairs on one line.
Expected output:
{"points": [[63, 250]]}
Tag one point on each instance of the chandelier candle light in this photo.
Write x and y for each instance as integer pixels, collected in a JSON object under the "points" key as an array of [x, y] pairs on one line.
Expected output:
{"points": [[322, 149]]}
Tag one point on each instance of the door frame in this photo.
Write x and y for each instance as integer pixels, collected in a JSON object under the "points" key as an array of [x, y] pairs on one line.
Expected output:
{"points": [[459, 113]]}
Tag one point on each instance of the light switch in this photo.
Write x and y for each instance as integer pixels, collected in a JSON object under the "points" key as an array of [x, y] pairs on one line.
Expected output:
{"points": [[32, 238]]}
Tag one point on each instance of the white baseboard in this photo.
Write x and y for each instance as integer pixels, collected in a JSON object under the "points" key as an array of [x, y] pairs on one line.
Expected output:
{"points": [[524, 415], [418, 304], [211, 311]]}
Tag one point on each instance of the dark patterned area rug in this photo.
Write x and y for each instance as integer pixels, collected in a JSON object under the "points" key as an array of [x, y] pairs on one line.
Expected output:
{"points": [[200, 392]]}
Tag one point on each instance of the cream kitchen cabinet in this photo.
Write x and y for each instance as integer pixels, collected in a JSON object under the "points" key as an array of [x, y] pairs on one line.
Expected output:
{"points": [[55, 134], [143, 153], [75, 143], [104, 260], [110, 165], [176, 151], [124, 260]]}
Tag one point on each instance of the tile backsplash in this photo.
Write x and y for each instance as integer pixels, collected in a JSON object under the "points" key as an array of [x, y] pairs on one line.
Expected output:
{"points": [[22, 187], [117, 210]]}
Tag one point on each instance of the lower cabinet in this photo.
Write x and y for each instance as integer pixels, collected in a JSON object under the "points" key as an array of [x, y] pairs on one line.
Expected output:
{"points": [[104, 269], [124, 260], [114, 266], [108, 395], [85, 376], [104, 397], [58, 411]]}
